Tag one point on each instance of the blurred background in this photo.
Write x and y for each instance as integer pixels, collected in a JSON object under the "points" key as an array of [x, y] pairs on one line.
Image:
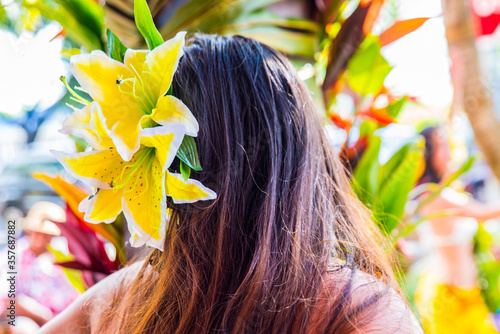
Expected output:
{"points": [[410, 96]]}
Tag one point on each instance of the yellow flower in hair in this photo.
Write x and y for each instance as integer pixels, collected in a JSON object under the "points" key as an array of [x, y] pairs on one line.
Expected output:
{"points": [[137, 187], [132, 95]]}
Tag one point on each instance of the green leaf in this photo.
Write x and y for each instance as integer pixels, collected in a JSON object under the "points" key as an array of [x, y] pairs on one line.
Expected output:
{"points": [[395, 108], [367, 128], [367, 69], [388, 169], [88, 12], [74, 276], [82, 20], [185, 171], [394, 192], [297, 43], [145, 24], [80, 143], [296, 37], [207, 16], [188, 153], [365, 175], [116, 48]]}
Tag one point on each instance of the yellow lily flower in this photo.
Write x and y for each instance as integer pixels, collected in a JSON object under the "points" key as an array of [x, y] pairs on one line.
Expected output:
{"points": [[136, 187], [132, 94]]}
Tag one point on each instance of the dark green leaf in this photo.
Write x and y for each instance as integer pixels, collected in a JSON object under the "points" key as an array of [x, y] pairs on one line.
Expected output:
{"points": [[188, 153], [116, 48], [145, 24]]}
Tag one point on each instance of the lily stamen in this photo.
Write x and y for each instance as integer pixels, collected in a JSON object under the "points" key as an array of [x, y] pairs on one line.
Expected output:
{"points": [[77, 100], [72, 92], [144, 92], [131, 84]]}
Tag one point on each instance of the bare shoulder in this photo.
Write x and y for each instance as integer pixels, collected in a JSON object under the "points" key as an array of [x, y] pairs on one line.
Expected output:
{"points": [[83, 315], [375, 306], [391, 315]]}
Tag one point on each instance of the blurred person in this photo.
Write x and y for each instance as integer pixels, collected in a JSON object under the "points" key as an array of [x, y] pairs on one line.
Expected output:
{"points": [[447, 296], [286, 247], [43, 289]]}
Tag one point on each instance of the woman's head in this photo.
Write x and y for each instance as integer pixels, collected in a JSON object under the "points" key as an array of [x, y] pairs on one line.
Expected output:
{"points": [[437, 154], [257, 254]]}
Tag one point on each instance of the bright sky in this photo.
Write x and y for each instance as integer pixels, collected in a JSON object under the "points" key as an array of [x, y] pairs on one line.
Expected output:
{"points": [[30, 65], [421, 58]]}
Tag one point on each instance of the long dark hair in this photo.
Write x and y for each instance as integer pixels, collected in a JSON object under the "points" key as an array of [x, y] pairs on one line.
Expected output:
{"points": [[255, 260], [430, 174]]}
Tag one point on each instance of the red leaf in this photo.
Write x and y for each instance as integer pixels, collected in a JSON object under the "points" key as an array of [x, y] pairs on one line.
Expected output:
{"points": [[371, 16], [340, 122], [379, 115], [74, 265], [348, 40], [400, 29], [86, 247]]}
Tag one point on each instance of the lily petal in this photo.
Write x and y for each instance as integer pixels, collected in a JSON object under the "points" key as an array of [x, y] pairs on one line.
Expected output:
{"points": [[78, 123], [95, 168], [97, 74], [170, 109], [125, 133], [144, 204], [166, 140], [135, 59], [102, 207], [98, 125], [88, 123], [162, 63], [186, 191], [100, 76], [139, 238]]}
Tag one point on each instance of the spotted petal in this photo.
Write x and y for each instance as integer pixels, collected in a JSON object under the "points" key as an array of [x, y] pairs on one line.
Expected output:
{"points": [[162, 63], [166, 140], [186, 191], [144, 206], [95, 168]]}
